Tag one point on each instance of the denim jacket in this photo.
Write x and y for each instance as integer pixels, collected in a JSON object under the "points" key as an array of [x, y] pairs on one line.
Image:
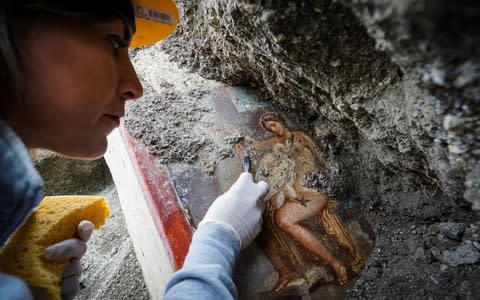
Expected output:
{"points": [[20, 183], [20, 194], [208, 267]]}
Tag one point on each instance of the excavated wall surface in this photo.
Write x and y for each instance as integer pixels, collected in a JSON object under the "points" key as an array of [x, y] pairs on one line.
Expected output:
{"points": [[391, 89]]}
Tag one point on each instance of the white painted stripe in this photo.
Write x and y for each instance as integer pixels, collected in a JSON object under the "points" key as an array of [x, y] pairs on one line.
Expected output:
{"points": [[149, 248]]}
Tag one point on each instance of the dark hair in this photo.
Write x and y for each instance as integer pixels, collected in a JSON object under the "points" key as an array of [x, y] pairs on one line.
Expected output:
{"points": [[12, 82], [270, 116], [11, 76]]}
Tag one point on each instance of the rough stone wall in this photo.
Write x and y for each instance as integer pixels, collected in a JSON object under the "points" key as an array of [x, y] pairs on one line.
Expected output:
{"points": [[435, 45], [399, 77], [391, 89]]}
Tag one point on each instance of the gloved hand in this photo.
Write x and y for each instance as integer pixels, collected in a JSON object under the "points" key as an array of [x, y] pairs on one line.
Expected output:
{"points": [[71, 249], [240, 209]]}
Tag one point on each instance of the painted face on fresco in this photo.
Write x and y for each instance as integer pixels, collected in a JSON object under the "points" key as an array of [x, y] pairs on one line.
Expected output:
{"points": [[78, 78], [275, 127]]}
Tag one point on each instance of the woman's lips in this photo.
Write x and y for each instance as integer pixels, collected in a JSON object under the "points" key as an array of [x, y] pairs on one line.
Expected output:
{"points": [[115, 119]]}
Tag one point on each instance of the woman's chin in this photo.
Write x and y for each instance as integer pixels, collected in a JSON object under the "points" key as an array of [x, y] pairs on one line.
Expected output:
{"points": [[85, 151], [95, 152]]}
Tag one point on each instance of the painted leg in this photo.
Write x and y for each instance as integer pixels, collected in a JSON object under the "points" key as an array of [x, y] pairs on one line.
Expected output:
{"points": [[288, 218], [272, 242]]}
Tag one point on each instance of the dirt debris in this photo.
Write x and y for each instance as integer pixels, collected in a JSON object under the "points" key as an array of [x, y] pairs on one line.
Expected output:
{"points": [[166, 123], [277, 168], [171, 120]]}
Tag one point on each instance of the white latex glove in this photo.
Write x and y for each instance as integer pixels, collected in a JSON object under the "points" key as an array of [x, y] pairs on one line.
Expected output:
{"points": [[71, 249], [240, 209]]}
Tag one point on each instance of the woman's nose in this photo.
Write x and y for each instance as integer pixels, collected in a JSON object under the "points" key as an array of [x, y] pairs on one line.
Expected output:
{"points": [[129, 85]]}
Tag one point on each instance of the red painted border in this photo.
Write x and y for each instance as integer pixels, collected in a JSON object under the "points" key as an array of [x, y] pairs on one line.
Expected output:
{"points": [[160, 195]]}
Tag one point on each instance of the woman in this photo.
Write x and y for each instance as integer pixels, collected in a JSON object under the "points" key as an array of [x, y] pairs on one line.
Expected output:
{"points": [[66, 75], [297, 202]]}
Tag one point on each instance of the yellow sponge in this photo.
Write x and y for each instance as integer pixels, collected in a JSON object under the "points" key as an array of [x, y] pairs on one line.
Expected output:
{"points": [[55, 220]]}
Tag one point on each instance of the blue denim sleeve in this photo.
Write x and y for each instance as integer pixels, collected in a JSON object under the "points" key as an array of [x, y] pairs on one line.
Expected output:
{"points": [[20, 193], [208, 267], [13, 288], [20, 183]]}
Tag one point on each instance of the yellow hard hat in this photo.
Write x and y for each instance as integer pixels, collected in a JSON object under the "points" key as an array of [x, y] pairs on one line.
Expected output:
{"points": [[154, 19]]}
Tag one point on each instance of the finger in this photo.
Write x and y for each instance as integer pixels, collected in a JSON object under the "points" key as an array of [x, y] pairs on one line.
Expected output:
{"points": [[73, 269], [246, 176], [261, 205], [39, 292], [84, 230], [257, 229], [264, 187], [71, 248], [70, 287], [244, 179]]}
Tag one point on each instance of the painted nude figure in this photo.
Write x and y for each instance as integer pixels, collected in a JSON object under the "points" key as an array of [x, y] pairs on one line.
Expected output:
{"points": [[293, 202]]}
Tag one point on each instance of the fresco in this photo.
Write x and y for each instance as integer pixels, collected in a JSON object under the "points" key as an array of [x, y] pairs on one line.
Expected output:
{"points": [[312, 244], [285, 160]]}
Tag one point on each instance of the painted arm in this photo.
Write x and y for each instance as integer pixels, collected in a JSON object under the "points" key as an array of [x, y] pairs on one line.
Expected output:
{"points": [[261, 145]]}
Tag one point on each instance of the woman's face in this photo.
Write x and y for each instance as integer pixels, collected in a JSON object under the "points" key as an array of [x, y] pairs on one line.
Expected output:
{"points": [[275, 127], [78, 78]]}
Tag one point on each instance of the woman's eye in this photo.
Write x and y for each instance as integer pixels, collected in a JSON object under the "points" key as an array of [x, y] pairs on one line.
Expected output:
{"points": [[116, 43]]}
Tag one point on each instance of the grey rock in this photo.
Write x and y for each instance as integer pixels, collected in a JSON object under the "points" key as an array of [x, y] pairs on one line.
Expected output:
{"points": [[452, 230], [431, 213], [472, 188], [476, 245], [466, 253], [419, 254], [472, 233], [372, 273], [436, 253]]}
